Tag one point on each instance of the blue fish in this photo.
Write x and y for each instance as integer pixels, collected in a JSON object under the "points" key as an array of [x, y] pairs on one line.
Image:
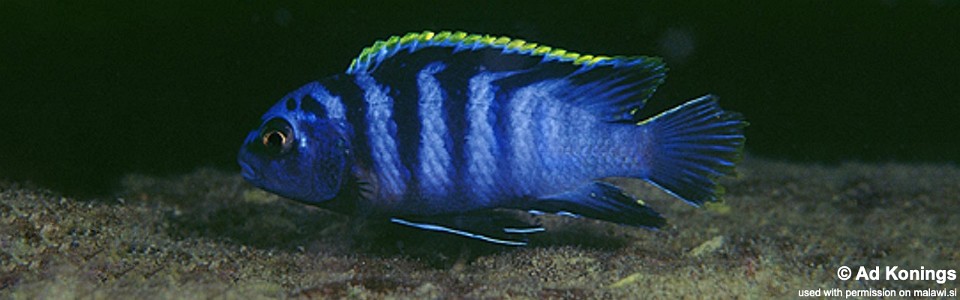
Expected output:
{"points": [[442, 131]]}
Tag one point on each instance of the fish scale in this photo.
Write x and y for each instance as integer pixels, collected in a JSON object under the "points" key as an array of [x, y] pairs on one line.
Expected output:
{"points": [[436, 169], [392, 174], [438, 130], [481, 146]]}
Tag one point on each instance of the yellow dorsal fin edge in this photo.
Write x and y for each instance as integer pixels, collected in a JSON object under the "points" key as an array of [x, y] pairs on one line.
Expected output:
{"points": [[384, 49]]}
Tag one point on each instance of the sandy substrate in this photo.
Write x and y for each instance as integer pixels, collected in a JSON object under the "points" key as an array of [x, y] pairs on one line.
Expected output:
{"points": [[783, 228]]}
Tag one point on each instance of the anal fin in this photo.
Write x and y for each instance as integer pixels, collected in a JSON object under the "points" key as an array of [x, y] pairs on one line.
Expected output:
{"points": [[602, 201]]}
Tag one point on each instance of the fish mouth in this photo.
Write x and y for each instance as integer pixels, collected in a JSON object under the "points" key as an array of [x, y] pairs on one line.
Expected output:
{"points": [[247, 172]]}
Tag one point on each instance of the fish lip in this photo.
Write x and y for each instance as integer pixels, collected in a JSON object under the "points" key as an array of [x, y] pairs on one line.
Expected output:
{"points": [[247, 171]]}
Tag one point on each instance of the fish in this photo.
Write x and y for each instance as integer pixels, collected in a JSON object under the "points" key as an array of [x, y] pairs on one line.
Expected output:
{"points": [[445, 131]]}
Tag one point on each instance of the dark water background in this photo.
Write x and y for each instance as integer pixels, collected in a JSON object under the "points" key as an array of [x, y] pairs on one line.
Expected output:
{"points": [[92, 90]]}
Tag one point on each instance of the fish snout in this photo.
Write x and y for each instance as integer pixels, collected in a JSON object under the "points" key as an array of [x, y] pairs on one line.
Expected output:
{"points": [[247, 171]]}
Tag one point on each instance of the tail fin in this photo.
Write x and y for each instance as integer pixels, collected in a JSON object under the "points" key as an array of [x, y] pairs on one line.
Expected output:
{"points": [[692, 145]]}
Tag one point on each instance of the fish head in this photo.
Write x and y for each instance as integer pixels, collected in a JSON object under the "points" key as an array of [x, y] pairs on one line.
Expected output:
{"points": [[298, 151]]}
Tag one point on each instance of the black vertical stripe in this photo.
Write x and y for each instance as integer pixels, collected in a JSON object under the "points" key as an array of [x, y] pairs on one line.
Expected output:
{"points": [[351, 94], [455, 82], [405, 94]]}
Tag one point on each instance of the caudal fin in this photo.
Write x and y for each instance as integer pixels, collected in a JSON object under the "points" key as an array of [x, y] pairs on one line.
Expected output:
{"points": [[692, 145]]}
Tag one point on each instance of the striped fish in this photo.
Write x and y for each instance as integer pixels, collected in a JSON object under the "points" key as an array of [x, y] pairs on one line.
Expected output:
{"points": [[437, 130]]}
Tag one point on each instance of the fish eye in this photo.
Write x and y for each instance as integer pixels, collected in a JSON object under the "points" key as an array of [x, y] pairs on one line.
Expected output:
{"points": [[277, 136]]}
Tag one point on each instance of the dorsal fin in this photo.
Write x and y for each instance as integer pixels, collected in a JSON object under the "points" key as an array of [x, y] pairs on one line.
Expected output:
{"points": [[381, 50], [614, 87]]}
